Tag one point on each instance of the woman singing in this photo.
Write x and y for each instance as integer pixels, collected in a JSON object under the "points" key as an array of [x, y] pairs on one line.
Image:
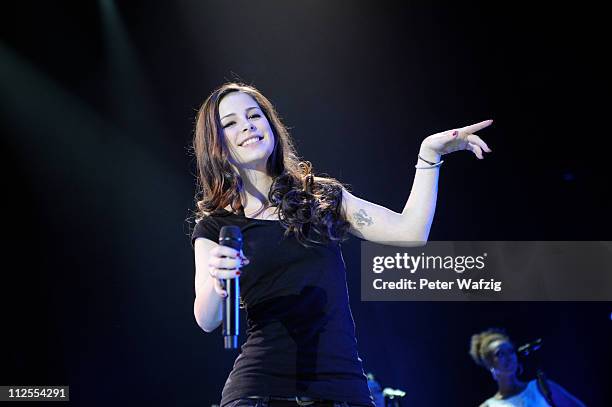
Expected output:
{"points": [[300, 347], [493, 350]]}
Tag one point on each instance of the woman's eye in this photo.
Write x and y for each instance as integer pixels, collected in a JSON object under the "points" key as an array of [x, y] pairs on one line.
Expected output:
{"points": [[228, 124], [254, 115]]}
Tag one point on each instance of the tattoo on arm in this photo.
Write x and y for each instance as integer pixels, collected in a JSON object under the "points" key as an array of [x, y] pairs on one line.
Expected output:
{"points": [[362, 218]]}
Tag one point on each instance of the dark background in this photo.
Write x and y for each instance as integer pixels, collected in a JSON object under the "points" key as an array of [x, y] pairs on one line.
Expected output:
{"points": [[97, 110]]}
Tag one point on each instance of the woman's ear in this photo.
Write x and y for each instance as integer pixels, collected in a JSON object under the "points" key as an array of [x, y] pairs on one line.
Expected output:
{"points": [[493, 373]]}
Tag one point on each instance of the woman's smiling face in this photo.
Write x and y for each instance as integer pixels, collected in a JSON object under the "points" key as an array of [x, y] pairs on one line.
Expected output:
{"points": [[247, 132]]}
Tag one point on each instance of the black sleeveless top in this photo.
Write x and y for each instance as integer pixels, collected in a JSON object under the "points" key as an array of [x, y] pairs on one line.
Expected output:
{"points": [[300, 338]]}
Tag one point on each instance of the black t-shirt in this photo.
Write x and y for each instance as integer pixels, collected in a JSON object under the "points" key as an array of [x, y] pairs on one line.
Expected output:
{"points": [[300, 331]]}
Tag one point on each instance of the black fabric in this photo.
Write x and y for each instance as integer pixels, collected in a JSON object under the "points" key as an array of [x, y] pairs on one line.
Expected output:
{"points": [[300, 331]]}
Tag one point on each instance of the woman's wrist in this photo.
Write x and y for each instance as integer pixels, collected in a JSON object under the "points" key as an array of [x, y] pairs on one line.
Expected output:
{"points": [[428, 154]]}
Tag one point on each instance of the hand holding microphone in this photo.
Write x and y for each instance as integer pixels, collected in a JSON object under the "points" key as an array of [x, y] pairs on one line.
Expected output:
{"points": [[225, 263]]}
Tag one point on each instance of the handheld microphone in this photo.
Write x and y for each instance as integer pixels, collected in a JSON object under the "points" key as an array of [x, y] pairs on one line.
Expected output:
{"points": [[527, 348], [231, 236]]}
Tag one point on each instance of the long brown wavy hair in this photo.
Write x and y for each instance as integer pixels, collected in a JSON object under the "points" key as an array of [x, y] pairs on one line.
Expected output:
{"points": [[309, 207]]}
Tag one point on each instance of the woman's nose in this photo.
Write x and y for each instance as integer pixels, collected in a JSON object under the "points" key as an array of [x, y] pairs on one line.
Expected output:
{"points": [[247, 126]]}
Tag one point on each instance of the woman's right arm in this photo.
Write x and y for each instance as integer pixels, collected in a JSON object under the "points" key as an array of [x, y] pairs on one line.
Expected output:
{"points": [[212, 263]]}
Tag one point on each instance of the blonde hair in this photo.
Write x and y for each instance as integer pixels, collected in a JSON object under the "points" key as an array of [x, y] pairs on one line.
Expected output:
{"points": [[479, 344]]}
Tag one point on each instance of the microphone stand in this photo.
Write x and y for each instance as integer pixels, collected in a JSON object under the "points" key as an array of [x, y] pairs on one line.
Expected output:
{"points": [[526, 350], [543, 385]]}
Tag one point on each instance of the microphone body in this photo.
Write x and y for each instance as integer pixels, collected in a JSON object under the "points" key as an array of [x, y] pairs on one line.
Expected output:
{"points": [[231, 236]]}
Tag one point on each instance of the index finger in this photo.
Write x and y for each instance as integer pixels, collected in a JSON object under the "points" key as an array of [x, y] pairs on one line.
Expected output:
{"points": [[224, 251], [473, 128]]}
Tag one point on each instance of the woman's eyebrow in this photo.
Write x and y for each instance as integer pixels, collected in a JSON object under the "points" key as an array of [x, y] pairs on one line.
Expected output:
{"points": [[246, 110]]}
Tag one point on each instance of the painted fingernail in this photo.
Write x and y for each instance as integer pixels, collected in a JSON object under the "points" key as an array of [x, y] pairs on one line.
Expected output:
{"points": [[238, 273]]}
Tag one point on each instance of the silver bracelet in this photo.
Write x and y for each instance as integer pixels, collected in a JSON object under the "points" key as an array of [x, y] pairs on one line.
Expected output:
{"points": [[427, 161], [429, 168], [433, 165]]}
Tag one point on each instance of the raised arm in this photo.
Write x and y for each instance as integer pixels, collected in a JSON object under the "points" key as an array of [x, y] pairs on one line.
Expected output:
{"points": [[378, 224]]}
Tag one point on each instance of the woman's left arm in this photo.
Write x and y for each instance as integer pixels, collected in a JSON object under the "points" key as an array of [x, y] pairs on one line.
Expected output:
{"points": [[378, 224]]}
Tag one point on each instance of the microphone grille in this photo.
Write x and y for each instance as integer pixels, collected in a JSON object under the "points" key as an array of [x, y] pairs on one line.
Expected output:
{"points": [[231, 236]]}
